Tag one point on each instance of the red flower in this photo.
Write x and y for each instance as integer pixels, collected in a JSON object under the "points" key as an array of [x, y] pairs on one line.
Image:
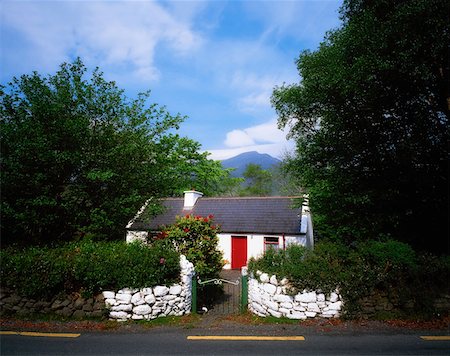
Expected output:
{"points": [[162, 261], [210, 216], [186, 229], [205, 220], [161, 235], [187, 216]]}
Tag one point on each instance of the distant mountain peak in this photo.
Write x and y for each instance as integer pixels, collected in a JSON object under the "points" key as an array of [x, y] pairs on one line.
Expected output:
{"points": [[240, 162]]}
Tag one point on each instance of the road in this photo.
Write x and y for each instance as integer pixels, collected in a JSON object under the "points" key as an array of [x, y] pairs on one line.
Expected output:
{"points": [[177, 342]]}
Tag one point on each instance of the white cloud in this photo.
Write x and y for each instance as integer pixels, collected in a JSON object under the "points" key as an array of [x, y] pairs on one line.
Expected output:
{"points": [[109, 34], [254, 102], [275, 150], [260, 134], [263, 138], [298, 19], [238, 138], [267, 132]]}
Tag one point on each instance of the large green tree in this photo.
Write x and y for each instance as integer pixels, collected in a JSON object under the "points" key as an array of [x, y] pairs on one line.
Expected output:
{"points": [[258, 181], [186, 168], [78, 157], [371, 120]]}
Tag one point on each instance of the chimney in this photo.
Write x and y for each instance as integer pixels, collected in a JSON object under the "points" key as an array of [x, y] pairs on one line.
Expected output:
{"points": [[190, 198]]}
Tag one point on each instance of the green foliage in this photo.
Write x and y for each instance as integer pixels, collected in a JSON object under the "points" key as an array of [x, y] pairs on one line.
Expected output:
{"points": [[258, 182], [390, 253], [371, 120], [79, 158], [87, 267], [196, 238], [389, 266], [186, 168], [285, 182]]}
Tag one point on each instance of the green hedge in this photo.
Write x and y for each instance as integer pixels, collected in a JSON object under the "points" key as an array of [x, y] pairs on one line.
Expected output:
{"points": [[358, 270], [87, 267]]}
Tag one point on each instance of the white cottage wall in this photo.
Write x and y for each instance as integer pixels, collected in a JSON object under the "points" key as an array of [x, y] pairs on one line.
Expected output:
{"points": [[255, 245], [225, 247]]}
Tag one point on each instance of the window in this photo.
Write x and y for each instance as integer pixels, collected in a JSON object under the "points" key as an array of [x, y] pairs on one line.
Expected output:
{"points": [[271, 242]]}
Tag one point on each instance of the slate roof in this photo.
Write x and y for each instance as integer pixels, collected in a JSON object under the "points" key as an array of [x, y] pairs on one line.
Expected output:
{"points": [[261, 215]]}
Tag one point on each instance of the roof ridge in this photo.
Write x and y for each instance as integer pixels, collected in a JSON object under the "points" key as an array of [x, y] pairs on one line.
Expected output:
{"points": [[270, 197], [237, 198]]}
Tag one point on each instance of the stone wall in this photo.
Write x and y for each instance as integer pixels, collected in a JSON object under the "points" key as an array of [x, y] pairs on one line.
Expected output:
{"points": [[268, 296], [150, 303], [145, 303], [64, 305], [380, 302]]}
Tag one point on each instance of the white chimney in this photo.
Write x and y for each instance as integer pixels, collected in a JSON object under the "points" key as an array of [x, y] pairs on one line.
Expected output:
{"points": [[190, 197]]}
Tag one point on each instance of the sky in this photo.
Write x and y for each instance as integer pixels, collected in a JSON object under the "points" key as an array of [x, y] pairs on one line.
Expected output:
{"points": [[216, 62]]}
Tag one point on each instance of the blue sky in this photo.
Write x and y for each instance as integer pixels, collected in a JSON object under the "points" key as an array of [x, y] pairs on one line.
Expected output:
{"points": [[216, 62]]}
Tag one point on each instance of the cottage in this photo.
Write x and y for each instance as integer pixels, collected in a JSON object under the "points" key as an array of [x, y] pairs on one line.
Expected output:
{"points": [[249, 225]]}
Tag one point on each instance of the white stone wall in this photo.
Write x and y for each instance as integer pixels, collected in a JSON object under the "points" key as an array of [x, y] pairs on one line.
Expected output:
{"points": [[268, 296], [136, 236], [150, 303]]}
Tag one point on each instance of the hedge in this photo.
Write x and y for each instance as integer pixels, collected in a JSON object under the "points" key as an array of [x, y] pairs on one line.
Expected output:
{"points": [[359, 269], [87, 267]]}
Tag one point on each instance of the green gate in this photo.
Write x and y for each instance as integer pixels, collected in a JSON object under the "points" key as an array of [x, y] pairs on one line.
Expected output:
{"points": [[220, 296]]}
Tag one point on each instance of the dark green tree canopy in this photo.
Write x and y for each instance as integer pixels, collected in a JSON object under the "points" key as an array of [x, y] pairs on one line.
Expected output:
{"points": [[370, 117], [258, 181], [78, 157]]}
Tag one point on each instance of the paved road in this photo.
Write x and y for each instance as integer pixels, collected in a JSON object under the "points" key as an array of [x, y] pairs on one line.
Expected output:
{"points": [[175, 342]]}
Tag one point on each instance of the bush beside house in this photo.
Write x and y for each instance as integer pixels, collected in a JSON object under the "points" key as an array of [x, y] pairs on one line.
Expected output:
{"points": [[196, 237], [375, 279]]}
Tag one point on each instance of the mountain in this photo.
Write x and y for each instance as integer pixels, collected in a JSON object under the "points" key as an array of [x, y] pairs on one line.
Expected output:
{"points": [[240, 162]]}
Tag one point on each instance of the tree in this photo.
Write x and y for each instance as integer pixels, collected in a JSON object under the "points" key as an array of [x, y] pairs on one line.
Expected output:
{"points": [[284, 180], [78, 157], [370, 117], [258, 182], [186, 168]]}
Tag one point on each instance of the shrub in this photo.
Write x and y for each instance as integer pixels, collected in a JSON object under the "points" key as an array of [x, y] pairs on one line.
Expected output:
{"points": [[357, 271], [88, 267], [389, 253], [196, 238]]}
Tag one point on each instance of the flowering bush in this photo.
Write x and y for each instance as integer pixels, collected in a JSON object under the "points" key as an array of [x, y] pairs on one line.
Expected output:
{"points": [[196, 238]]}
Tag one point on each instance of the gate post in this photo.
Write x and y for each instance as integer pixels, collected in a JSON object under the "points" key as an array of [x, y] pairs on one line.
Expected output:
{"points": [[194, 294], [244, 289]]}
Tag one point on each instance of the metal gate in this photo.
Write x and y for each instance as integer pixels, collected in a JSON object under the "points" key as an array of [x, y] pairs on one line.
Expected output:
{"points": [[220, 296]]}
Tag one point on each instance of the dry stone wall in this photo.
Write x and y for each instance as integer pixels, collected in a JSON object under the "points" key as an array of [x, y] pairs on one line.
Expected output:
{"points": [[268, 296], [125, 304], [73, 305], [150, 303]]}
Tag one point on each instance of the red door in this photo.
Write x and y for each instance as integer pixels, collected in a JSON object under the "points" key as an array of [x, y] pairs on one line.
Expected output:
{"points": [[238, 251]]}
